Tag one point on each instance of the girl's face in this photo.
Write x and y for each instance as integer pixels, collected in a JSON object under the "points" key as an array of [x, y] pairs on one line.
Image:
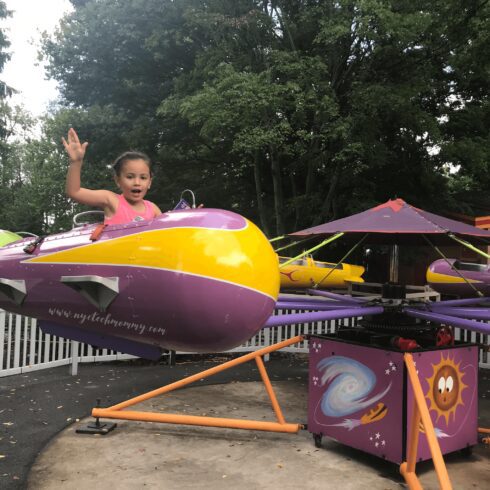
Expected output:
{"points": [[134, 180]]}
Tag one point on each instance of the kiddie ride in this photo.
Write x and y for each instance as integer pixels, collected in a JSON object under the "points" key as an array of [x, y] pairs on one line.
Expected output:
{"points": [[207, 280], [304, 273], [454, 277], [397, 384]]}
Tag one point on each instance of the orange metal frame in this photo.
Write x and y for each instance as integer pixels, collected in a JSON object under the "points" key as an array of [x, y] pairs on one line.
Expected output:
{"points": [[485, 440], [421, 412], [117, 412]]}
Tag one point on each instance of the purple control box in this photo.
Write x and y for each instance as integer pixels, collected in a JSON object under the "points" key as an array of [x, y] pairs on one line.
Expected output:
{"points": [[361, 396]]}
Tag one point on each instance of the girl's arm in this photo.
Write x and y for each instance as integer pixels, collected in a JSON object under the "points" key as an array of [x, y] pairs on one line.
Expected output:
{"points": [[106, 200]]}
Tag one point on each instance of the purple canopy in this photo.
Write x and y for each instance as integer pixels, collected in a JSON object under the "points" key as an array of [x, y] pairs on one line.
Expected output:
{"points": [[395, 218], [393, 221]]}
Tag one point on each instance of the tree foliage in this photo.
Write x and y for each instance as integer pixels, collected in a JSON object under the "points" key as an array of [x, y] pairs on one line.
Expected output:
{"points": [[4, 54], [292, 112]]}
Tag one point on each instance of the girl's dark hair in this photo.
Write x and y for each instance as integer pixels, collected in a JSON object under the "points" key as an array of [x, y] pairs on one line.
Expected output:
{"points": [[130, 155]]}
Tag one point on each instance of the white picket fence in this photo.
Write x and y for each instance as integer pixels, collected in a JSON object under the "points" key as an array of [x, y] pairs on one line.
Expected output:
{"points": [[24, 347]]}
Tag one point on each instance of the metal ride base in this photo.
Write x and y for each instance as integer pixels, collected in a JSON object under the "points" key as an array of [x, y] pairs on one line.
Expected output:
{"points": [[402, 407], [97, 427], [118, 412]]}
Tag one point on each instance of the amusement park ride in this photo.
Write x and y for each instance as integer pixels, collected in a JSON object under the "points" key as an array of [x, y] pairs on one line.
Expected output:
{"points": [[306, 272], [456, 278], [206, 280]]}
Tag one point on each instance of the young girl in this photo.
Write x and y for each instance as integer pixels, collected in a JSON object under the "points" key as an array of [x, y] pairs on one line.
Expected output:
{"points": [[132, 175]]}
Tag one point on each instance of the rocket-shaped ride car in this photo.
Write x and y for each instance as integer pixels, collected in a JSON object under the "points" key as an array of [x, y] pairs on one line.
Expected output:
{"points": [[197, 280], [456, 278]]}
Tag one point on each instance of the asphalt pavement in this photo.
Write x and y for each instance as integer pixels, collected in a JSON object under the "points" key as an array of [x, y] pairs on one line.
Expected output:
{"points": [[40, 411], [36, 406]]}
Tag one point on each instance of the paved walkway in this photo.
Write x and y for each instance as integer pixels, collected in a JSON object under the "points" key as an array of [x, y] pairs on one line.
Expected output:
{"points": [[42, 450]]}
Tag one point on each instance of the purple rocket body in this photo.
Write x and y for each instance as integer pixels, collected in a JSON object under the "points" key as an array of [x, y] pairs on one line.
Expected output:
{"points": [[193, 280], [445, 277]]}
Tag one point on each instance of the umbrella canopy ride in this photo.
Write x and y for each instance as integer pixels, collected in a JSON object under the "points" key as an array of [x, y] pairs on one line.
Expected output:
{"points": [[398, 222]]}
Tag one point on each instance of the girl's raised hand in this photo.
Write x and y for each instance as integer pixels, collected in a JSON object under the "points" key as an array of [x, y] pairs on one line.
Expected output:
{"points": [[75, 149]]}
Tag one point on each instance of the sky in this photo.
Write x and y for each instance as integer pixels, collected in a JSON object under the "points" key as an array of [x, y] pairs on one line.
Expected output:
{"points": [[23, 72]]}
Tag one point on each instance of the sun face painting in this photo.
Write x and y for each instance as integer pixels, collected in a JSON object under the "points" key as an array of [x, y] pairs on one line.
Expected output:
{"points": [[445, 388]]}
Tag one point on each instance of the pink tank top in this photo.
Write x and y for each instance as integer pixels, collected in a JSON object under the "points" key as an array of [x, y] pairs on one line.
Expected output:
{"points": [[125, 213]]}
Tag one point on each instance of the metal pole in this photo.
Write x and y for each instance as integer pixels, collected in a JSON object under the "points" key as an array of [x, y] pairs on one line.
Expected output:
{"points": [[394, 255]]}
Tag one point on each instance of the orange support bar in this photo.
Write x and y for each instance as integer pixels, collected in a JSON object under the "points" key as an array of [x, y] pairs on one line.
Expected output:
{"points": [[116, 411], [414, 439], [485, 440], [421, 412], [170, 418], [270, 390]]}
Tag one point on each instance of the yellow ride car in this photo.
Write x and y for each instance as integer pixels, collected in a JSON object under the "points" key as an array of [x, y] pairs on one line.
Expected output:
{"points": [[306, 273]]}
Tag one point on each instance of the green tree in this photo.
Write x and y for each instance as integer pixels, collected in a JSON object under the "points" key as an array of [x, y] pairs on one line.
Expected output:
{"points": [[315, 109], [5, 90]]}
